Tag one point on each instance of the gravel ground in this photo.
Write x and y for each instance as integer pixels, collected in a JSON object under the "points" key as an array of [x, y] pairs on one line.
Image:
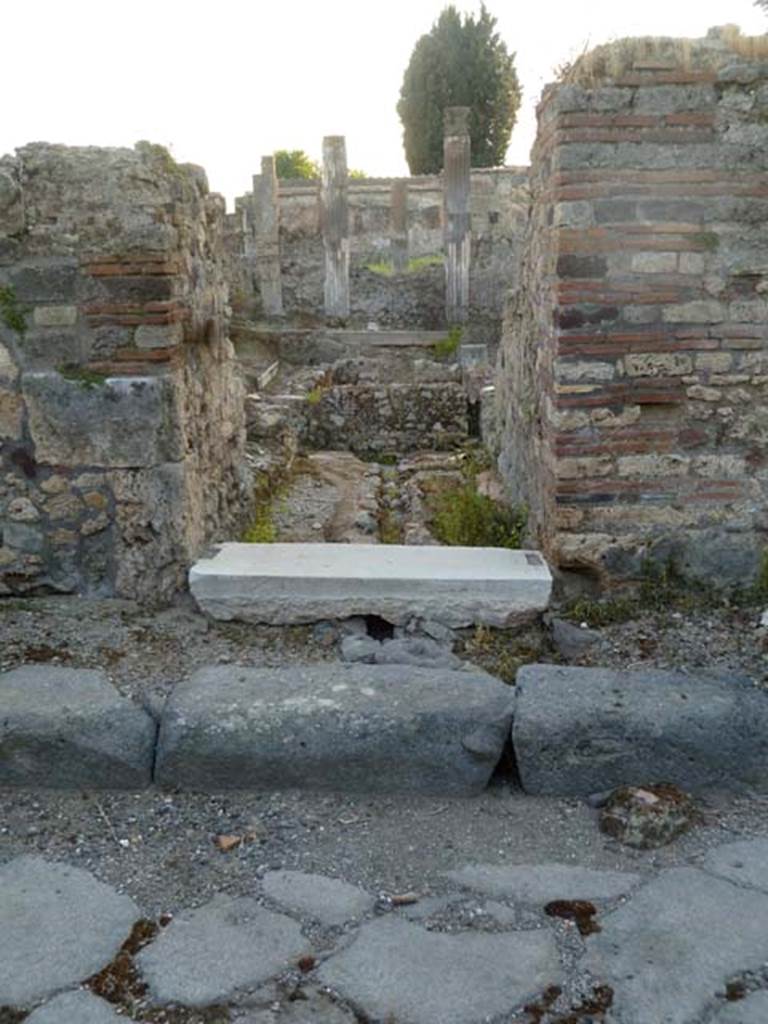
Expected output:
{"points": [[161, 847]]}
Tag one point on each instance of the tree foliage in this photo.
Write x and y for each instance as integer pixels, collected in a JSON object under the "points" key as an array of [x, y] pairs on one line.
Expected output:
{"points": [[294, 163], [461, 62]]}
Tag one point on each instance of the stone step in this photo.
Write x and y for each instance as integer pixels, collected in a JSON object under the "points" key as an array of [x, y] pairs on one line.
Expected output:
{"points": [[285, 584], [343, 728], [388, 339]]}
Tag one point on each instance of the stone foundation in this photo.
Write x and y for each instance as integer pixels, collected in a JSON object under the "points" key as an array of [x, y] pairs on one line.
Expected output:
{"points": [[633, 376], [121, 408]]}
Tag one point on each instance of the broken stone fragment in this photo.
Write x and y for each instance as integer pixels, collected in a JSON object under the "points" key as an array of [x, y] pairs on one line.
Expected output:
{"points": [[645, 817]]}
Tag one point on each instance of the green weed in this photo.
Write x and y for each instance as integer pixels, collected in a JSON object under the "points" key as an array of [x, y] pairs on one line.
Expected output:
{"points": [[262, 529], [87, 379], [385, 269], [463, 518], [449, 345], [11, 312]]}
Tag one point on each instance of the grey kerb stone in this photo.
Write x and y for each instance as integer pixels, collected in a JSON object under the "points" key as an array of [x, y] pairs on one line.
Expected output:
{"points": [[294, 583], [352, 728], [579, 731], [42, 906], [68, 728]]}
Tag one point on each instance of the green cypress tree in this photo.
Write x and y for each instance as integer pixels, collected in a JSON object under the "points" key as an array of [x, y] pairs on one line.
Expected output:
{"points": [[461, 62]]}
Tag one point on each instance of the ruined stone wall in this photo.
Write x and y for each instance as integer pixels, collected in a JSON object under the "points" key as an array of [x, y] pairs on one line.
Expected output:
{"points": [[121, 412], [415, 298], [633, 378]]}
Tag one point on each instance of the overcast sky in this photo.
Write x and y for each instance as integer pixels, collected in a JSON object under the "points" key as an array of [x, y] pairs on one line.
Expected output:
{"points": [[223, 83]]}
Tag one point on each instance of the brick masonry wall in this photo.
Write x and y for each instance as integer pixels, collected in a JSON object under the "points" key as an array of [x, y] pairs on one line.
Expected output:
{"points": [[121, 409], [633, 376]]}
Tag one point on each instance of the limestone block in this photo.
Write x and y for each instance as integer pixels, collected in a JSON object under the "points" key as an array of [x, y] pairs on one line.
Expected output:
{"points": [[657, 364], [691, 262], [292, 583], [159, 336], [580, 730], [8, 369], [653, 465], [654, 262], [714, 362], [124, 421], [11, 410], [587, 467], [699, 311], [54, 316]]}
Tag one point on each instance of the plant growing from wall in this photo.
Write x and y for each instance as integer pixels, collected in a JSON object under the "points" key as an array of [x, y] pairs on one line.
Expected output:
{"points": [[11, 313], [87, 379], [461, 62], [448, 346]]}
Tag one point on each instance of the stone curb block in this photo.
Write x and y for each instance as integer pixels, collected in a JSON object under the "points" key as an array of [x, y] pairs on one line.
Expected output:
{"points": [[581, 730], [66, 728], [351, 728]]}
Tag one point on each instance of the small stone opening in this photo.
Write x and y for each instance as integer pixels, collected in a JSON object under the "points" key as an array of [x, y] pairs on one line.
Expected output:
{"points": [[473, 420], [378, 628]]}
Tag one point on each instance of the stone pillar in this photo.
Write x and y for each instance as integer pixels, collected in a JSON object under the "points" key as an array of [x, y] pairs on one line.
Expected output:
{"points": [[398, 243], [266, 226], [457, 226], [335, 222]]}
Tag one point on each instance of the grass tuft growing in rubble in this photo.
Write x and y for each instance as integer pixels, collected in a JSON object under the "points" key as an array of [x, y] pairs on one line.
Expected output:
{"points": [[385, 269]]}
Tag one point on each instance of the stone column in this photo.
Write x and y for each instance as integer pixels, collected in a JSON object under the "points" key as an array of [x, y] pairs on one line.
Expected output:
{"points": [[335, 221], [266, 225], [398, 242], [457, 226]]}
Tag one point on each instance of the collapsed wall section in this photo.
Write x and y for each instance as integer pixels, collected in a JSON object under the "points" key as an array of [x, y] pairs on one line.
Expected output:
{"points": [[121, 409], [632, 391]]}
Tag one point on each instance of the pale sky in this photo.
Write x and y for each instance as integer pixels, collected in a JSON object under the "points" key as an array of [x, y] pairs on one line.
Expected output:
{"points": [[223, 83]]}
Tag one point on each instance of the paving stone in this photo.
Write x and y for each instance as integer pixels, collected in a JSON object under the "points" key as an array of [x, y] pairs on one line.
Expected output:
{"points": [[328, 900], [314, 1007], [80, 1007], [744, 862], [540, 883], [675, 943], [582, 730], [395, 970], [352, 728], [207, 954], [293, 583], [66, 728], [751, 1010], [42, 907]]}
